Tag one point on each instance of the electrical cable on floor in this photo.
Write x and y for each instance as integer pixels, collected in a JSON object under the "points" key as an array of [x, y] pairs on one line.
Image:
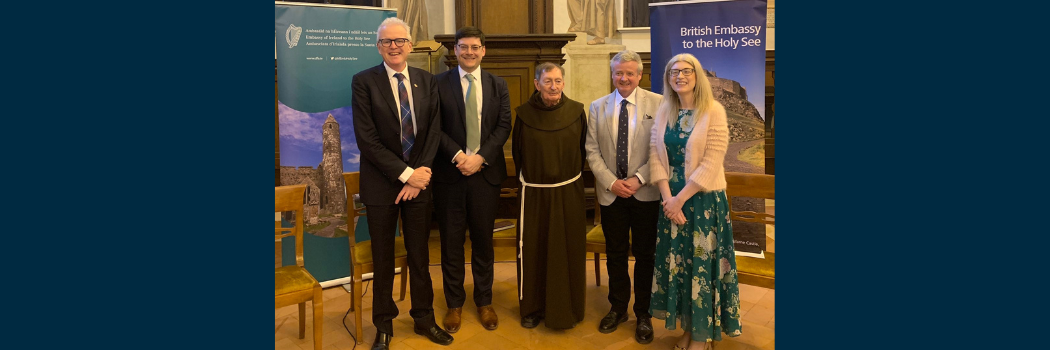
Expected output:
{"points": [[348, 313]]}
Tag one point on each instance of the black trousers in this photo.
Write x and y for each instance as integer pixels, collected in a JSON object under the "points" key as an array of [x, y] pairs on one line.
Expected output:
{"points": [[382, 225], [468, 203], [630, 224]]}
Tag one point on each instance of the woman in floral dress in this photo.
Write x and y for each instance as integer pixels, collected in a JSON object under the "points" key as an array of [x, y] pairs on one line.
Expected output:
{"points": [[694, 281]]}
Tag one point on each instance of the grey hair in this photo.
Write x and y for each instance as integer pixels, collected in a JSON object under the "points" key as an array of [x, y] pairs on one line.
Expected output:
{"points": [[547, 67], [627, 56], [394, 21]]}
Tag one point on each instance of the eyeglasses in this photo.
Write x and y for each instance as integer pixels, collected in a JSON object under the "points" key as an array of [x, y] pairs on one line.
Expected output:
{"points": [[685, 72], [386, 42], [471, 48]]}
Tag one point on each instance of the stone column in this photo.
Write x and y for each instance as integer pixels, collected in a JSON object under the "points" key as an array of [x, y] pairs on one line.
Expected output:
{"points": [[587, 69]]}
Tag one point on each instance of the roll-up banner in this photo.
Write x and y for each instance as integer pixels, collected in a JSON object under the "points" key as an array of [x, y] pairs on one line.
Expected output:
{"points": [[319, 48], [729, 40]]}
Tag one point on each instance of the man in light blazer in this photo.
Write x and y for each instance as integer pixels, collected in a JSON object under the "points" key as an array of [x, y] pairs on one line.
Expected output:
{"points": [[468, 169], [397, 124], [618, 128]]}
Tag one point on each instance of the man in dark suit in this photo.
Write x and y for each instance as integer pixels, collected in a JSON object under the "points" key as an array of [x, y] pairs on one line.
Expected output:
{"points": [[469, 168], [397, 123]]}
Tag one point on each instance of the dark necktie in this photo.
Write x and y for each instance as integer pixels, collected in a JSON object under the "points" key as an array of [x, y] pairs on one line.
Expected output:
{"points": [[621, 143], [408, 136]]}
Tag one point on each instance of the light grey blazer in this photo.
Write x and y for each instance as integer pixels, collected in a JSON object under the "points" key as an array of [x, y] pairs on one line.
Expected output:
{"points": [[601, 144]]}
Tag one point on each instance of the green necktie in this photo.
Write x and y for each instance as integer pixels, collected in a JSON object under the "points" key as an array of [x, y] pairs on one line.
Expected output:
{"points": [[473, 122]]}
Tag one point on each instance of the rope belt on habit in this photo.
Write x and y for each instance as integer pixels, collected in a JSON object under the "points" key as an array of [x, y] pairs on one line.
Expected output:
{"points": [[521, 225]]}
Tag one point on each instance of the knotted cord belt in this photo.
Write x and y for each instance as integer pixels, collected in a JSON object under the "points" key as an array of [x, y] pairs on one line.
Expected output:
{"points": [[521, 225]]}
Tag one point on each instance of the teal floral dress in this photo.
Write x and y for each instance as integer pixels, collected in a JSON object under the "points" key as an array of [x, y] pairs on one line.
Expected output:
{"points": [[694, 280]]}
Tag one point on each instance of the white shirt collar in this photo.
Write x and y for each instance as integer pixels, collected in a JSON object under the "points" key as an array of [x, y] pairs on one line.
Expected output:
{"points": [[390, 71], [476, 73], [632, 98]]}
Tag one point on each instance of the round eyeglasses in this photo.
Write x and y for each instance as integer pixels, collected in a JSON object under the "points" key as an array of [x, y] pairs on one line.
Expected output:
{"points": [[685, 72], [386, 42]]}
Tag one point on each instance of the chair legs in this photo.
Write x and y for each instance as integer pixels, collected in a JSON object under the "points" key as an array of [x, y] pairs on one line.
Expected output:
{"points": [[597, 269], [353, 291], [302, 320], [404, 281], [357, 288], [358, 308], [318, 316]]}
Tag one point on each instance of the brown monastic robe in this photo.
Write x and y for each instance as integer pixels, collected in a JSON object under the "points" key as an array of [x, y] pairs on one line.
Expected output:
{"points": [[548, 148]]}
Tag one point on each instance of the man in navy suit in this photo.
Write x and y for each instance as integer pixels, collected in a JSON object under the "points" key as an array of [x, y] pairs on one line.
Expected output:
{"points": [[397, 123], [469, 168]]}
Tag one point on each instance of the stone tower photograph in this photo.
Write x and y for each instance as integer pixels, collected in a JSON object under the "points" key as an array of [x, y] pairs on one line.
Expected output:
{"points": [[333, 197], [316, 148]]}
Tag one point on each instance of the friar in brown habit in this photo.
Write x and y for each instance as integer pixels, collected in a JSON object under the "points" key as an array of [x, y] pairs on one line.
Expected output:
{"points": [[548, 147]]}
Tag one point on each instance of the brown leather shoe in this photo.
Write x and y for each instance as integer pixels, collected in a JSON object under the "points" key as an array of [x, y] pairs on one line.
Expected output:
{"points": [[488, 317], [452, 319]]}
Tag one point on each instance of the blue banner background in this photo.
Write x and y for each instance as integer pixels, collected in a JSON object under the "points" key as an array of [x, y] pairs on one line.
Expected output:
{"points": [[745, 64], [314, 75]]}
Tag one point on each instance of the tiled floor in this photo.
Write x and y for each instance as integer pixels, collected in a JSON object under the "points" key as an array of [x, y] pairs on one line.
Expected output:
{"points": [[757, 305]]}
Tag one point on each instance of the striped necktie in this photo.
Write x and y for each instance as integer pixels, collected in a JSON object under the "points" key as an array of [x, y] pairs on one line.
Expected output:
{"points": [[408, 135]]}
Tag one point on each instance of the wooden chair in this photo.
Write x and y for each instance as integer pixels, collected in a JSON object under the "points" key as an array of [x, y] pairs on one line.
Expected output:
{"points": [[361, 252], [753, 271], [596, 243], [508, 237], [293, 284]]}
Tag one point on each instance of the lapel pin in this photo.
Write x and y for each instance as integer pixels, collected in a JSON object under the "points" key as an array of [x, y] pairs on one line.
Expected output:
{"points": [[414, 85]]}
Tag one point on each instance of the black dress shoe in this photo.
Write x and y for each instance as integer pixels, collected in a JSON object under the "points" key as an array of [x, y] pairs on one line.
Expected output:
{"points": [[531, 321], [610, 321], [435, 334], [643, 332], [382, 341]]}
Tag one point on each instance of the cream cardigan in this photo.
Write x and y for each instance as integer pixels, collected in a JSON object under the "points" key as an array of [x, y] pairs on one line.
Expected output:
{"points": [[705, 149]]}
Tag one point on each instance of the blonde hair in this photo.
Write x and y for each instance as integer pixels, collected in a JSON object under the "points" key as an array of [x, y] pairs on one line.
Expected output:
{"points": [[703, 98]]}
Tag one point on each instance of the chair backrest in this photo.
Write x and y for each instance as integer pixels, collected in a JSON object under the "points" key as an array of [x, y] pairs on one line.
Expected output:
{"points": [[290, 198], [754, 271], [753, 186], [353, 187], [511, 184], [512, 169]]}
